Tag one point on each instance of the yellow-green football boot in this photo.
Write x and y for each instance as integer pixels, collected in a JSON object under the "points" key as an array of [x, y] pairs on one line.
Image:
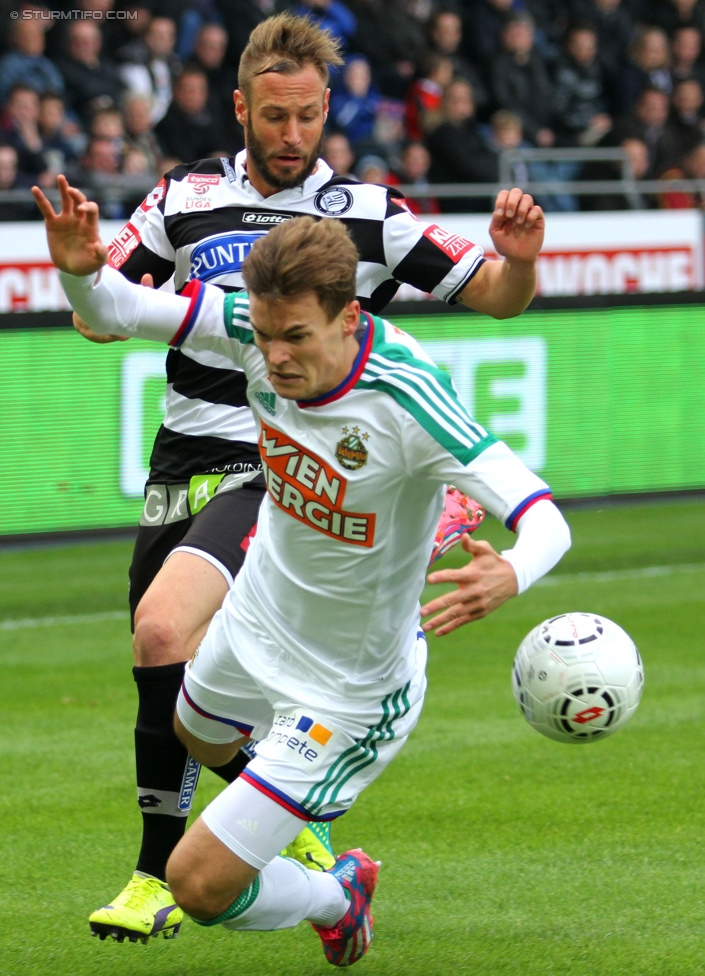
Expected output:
{"points": [[144, 908], [312, 847]]}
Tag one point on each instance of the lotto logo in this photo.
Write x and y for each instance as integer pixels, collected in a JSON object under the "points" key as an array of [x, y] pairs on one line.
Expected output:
{"points": [[587, 715], [453, 245]]}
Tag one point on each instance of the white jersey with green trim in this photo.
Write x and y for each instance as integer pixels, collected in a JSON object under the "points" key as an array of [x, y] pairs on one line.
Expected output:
{"points": [[355, 485]]}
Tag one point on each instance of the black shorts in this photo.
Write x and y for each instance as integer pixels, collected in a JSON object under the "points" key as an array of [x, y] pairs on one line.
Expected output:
{"points": [[221, 529]]}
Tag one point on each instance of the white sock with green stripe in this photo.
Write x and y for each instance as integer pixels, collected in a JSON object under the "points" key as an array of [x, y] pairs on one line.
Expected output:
{"points": [[282, 895]]}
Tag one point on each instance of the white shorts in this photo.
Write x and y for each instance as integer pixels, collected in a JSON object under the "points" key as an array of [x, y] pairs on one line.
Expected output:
{"points": [[312, 760]]}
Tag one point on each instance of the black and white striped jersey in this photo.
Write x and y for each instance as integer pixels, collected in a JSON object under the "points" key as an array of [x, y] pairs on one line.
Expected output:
{"points": [[200, 222]]}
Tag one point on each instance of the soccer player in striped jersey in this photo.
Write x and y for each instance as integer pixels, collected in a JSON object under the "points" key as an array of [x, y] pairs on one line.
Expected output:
{"points": [[205, 484], [317, 652]]}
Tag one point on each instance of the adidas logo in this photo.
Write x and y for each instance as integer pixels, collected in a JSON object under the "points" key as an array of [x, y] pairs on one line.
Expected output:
{"points": [[268, 401]]}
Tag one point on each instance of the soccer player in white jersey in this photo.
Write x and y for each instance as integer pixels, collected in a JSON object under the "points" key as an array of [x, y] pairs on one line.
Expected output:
{"points": [[199, 223], [317, 652]]}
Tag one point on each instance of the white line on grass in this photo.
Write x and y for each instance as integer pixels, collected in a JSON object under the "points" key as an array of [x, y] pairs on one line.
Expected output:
{"points": [[646, 572], [83, 618]]}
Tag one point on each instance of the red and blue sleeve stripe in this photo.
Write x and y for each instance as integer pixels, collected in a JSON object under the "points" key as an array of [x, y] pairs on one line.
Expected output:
{"points": [[284, 800], [538, 496], [241, 727], [195, 290]]}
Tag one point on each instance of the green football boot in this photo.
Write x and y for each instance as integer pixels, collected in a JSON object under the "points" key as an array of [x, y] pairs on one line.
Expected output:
{"points": [[312, 847], [143, 909]]}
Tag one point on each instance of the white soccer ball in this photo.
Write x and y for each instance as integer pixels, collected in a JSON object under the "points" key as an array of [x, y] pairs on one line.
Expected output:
{"points": [[577, 677]]}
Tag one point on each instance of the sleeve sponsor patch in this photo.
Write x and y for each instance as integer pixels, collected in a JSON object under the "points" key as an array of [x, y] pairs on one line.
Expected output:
{"points": [[122, 245], [452, 245]]}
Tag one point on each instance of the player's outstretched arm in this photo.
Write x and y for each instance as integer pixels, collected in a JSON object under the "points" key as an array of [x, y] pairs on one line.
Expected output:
{"points": [[491, 578], [503, 288]]}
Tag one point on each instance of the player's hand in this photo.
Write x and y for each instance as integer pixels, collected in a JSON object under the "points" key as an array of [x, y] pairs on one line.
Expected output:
{"points": [[483, 585], [517, 227], [88, 333], [73, 235]]}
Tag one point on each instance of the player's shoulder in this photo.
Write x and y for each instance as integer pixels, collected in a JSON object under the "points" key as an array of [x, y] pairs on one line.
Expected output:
{"points": [[213, 166], [394, 351]]}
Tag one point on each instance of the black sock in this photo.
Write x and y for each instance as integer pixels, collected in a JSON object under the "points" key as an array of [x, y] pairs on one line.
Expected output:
{"points": [[166, 775], [231, 770]]}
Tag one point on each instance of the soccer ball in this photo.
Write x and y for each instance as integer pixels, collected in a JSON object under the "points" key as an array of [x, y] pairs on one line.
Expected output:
{"points": [[577, 677]]}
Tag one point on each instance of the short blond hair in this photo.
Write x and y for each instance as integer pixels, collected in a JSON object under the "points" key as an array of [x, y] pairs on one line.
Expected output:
{"points": [[286, 44], [303, 255]]}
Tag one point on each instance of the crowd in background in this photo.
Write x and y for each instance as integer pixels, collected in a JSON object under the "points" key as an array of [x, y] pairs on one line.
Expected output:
{"points": [[114, 93]]}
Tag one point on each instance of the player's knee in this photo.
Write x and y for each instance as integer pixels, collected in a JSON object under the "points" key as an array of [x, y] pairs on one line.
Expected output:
{"points": [[194, 889], [156, 640]]}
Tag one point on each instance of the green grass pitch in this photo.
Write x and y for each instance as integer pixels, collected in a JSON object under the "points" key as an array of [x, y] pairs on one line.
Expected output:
{"points": [[504, 853]]}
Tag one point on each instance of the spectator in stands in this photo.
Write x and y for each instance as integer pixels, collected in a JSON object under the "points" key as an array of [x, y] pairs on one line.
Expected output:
{"points": [[425, 94], [648, 66], [62, 141], [92, 82], [391, 39], [338, 153], [332, 15], [638, 157], [579, 89], [685, 120], [649, 123], [26, 63], [188, 131], [614, 25], [374, 169], [670, 14], [458, 150], [12, 179], [413, 169], [692, 168], [686, 51], [101, 156], [139, 135], [209, 54], [20, 126], [445, 34], [504, 133], [107, 123], [354, 107], [520, 81], [483, 29], [149, 65]]}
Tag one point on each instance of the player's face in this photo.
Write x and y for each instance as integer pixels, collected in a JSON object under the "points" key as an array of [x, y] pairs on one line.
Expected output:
{"points": [[306, 355], [283, 127]]}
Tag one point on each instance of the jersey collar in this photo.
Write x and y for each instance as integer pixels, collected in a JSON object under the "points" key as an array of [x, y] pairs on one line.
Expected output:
{"points": [[353, 376], [314, 182]]}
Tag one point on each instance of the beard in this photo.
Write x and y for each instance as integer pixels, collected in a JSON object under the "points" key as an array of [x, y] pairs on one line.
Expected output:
{"points": [[257, 157]]}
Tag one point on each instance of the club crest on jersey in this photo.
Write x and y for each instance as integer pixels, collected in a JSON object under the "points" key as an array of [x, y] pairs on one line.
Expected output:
{"points": [[202, 184], [351, 451], [334, 201]]}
